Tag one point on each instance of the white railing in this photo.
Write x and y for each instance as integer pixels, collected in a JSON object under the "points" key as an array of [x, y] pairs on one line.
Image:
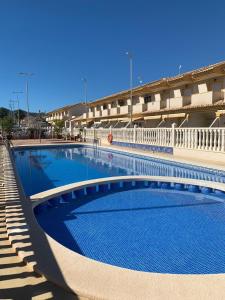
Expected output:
{"points": [[208, 139], [211, 139]]}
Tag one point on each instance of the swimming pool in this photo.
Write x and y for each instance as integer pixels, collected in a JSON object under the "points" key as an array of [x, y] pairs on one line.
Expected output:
{"points": [[161, 230], [43, 168], [152, 230]]}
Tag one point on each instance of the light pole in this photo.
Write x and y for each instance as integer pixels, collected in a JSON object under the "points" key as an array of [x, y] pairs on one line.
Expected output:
{"points": [[85, 89], [131, 85], [140, 81], [11, 106], [18, 106], [27, 75], [180, 66]]}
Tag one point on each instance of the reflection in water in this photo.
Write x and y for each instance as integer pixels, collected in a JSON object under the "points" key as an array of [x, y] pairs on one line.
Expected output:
{"points": [[142, 166], [42, 169]]}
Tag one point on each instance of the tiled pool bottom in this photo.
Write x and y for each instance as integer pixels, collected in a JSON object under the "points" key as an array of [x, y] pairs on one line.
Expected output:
{"points": [[151, 230]]}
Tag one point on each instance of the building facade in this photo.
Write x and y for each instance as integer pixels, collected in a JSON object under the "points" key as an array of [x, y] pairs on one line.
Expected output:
{"points": [[66, 113], [192, 99]]}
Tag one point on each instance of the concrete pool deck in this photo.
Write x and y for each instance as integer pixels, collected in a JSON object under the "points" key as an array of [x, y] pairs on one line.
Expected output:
{"points": [[18, 279], [43, 253]]}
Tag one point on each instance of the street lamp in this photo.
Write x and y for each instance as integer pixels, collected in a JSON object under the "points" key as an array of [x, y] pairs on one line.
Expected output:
{"points": [[131, 84], [140, 81], [18, 106], [180, 66], [85, 89], [27, 75]]}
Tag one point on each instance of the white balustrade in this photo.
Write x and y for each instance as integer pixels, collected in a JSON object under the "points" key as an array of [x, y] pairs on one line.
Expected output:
{"points": [[207, 139]]}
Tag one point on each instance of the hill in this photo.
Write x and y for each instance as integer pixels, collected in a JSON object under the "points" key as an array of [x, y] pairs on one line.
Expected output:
{"points": [[22, 113]]}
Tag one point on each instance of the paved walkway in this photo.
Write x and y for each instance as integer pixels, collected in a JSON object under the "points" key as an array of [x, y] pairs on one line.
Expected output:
{"points": [[18, 280]]}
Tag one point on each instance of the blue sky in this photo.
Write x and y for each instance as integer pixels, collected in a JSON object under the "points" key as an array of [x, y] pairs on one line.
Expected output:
{"points": [[62, 41]]}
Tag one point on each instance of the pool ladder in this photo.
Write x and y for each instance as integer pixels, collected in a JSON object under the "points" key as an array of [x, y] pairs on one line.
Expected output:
{"points": [[96, 142]]}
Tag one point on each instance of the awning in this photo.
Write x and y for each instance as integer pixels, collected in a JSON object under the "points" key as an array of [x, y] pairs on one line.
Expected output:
{"points": [[170, 116], [219, 113], [138, 119], [123, 119], [153, 117], [80, 118]]}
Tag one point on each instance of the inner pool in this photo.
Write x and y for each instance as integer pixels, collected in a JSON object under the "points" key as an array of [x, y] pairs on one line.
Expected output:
{"points": [[48, 167], [150, 230]]}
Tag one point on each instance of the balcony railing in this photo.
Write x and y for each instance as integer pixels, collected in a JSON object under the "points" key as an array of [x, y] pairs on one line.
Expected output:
{"points": [[153, 106], [139, 108], [114, 111], [105, 112], [98, 113], [125, 109]]}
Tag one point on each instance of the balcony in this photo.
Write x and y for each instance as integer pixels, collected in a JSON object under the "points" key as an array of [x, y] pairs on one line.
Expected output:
{"points": [[85, 115], [105, 112], [153, 106], [90, 114], [207, 98], [175, 102], [114, 111], [125, 109], [98, 113], [139, 108]]}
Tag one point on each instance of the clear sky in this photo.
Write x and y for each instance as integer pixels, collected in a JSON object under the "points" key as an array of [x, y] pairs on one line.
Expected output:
{"points": [[61, 41]]}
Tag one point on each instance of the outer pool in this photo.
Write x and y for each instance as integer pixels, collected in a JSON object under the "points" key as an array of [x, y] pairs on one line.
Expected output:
{"points": [[152, 230], [45, 168]]}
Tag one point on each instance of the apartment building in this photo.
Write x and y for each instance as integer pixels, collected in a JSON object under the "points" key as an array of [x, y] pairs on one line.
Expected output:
{"points": [[194, 99], [67, 112]]}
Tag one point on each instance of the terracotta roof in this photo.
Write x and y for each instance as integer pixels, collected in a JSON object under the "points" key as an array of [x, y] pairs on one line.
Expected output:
{"points": [[67, 107], [164, 83]]}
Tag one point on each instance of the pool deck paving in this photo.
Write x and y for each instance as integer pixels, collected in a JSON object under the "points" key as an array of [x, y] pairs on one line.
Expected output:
{"points": [[18, 280], [21, 277]]}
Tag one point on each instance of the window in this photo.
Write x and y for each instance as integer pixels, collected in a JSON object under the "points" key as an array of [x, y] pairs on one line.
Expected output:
{"points": [[104, 106], [148, 98], [121, 102]]}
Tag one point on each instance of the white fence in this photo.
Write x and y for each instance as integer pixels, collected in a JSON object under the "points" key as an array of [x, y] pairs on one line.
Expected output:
{"points": [[211, 139]]}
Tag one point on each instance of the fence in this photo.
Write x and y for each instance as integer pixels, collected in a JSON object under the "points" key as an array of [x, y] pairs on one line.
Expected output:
{"points": [[210, 139]]}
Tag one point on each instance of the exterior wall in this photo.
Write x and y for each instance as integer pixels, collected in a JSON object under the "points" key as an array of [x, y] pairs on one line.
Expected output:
{"points": [[68, 113], [194, 94], [200, 119]]}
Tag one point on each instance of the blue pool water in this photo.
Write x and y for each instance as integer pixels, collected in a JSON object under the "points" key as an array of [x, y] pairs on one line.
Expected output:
{"points": [[46, 168], [151, 230]]}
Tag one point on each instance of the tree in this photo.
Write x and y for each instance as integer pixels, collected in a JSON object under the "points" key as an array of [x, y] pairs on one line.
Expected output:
{"points": [[6, 124], [4, 112], [58, 126]]}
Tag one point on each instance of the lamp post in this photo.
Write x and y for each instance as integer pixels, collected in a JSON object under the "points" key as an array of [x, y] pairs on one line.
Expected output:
{"points": [[11, 106], [18, 106], [180, 66], [140, 81], [85, 89], [131, 85], [27, 75]]}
